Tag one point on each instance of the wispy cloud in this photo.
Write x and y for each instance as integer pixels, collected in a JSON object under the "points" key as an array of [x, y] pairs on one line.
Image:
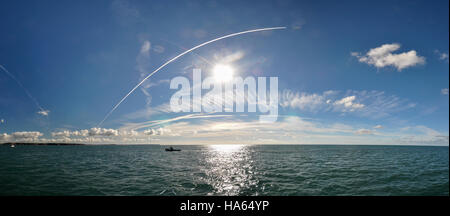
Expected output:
{"points": [[43, 112], [348, 104], [125, 12], [154, 123], [142, 66], [443, 56], [444, 91], [291, 129], [305, 101], [156, 83], [364, 132], [422, 135], [372, 104], [383, 56]]}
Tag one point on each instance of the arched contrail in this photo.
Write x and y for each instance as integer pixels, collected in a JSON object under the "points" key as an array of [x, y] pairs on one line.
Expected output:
{"points": [[178, 56], [184, 49], [42, 111]]}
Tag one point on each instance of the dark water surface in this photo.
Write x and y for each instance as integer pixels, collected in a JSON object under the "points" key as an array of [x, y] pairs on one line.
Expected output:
{"points": [[224, 170]]}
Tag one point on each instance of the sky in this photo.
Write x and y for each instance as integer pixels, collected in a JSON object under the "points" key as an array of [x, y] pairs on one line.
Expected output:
{"points": [[349, 72]]}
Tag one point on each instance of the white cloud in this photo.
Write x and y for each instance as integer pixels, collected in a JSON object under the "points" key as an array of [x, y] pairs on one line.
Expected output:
{"points": [[422, 129], [302, 100], [91, 132], [103, 132], [372, 104], [128, 133], [157, 83], [305, 101], [149, 132], [26, 135], [424, 140], [229, 57], [22, 136], [92, 136], [61, 134], [442, 55], [421, 134], [143, 66], [348, 104], [383, 57], [378, 126], [288, 130], [4, 137], [378, 105], [88, 133], [43, 112], [145, 48], [444, 91], [364, 132], [81, 133], [105, 135]]}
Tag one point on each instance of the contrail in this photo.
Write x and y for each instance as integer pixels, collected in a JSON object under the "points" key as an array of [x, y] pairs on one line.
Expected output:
{"points": [[178, 56], [193, 53], [42, 111]]}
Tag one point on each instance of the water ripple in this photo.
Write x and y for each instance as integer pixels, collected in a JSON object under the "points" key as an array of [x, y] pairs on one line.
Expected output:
{"points": [[224, 170]]}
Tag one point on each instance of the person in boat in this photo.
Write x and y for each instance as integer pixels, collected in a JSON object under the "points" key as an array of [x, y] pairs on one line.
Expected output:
{"points": [[172, 149]]}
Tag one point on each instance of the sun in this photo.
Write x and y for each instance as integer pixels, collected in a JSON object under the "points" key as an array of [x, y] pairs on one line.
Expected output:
{"points": [[223, 73]]}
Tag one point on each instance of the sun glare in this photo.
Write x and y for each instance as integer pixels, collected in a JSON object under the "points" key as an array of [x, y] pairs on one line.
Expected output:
{"points": [[227, 147], [223, 73]]}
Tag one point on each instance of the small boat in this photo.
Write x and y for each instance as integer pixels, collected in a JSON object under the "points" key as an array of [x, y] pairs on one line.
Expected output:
{"points": [[13, 146], [172, 149]]}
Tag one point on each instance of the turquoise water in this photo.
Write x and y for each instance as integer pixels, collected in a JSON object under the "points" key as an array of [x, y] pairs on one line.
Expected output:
{"points": [[224, 170]]}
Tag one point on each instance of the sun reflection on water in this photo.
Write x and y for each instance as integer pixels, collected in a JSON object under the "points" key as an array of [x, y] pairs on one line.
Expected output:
{"points": [[227, 148], [229, 169]]}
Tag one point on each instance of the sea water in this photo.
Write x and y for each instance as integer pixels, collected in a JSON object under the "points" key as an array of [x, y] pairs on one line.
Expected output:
{"points": [[224, 170]]}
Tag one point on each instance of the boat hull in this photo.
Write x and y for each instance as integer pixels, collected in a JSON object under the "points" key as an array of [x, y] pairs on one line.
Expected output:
{"points": [[170, 150]]}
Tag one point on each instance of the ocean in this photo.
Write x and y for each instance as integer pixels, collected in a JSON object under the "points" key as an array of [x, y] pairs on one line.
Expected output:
{"points": [[248, 170]]}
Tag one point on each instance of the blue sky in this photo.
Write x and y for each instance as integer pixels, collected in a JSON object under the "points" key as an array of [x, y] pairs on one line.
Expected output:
{"points": [[350, 72]]}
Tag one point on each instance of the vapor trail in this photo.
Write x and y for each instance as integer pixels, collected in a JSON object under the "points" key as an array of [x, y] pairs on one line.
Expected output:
{"points": [[178, 56], [193, 53], [42, 111]]}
